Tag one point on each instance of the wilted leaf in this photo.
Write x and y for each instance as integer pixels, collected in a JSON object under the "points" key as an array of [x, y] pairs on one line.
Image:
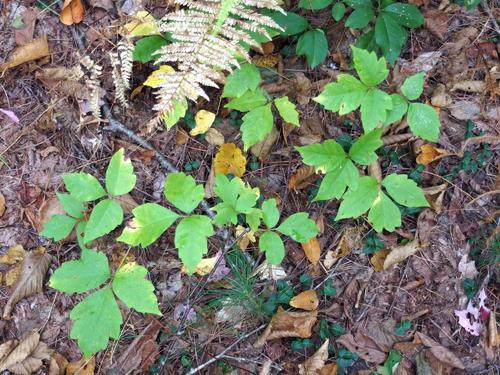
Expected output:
{"points": [[230, 159], [26, 357], [126, 202], [81, 367], [72, 12], [214, 137], [263, 148], [204, 120], [429, 153], [288, 324], [34, 268], [364, 346], [307, 300], [312, 250], [302, 178], [2, 204], [378, 259], [13, 255], [400, 253], [34, 50], [315, 363]]}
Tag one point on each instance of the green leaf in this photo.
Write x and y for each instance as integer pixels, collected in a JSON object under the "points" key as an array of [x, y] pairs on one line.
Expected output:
{"points": [[325, 156], [253, 219], [390, 36], [367, 41], [130, 285], [399, 108], [71, 205], [356, 202], [371, 70], [374, 109], [405, 14], [336, 181], [363, 150], [292, 23], [96, 319], [120, 177], [256, 125], [78, 276], [270, 213], [146, 48], [343, 96], [287, 110], [272, 245], [106, 216], [247, 78], [149, 223], [356, 4], [248, 101], [404, 190], [413, 86], [423, 121], [183, 192], [314, 4], [314, 46], [360, 17], [384, 214], [191, 239], [178, 112], [58, 227], [236, 198], [299, 227], [80, 232], [83, 186], [338, 11]]}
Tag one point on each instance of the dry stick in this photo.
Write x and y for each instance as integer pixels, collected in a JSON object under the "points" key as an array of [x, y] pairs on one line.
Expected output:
{"points": [[221, 354]]}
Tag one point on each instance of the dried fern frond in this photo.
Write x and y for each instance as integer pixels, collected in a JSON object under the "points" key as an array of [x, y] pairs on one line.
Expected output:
{"points": [[92, 82], [122, 62], [208, 36]]}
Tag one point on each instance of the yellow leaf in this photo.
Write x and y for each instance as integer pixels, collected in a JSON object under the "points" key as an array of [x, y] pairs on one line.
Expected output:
{"points": [[245, 239], [204, 120], [143, 24], [204, 267], [157, 77], [429, 153], [230, 159], [307, 300], [13, 255]]}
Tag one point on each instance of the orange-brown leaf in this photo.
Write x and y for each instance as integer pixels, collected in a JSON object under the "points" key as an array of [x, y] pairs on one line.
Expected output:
{"points": [[312, 250], [307, 300], [72, 12], [34, 50], [302, 178], [377, 260], [429, 153]]}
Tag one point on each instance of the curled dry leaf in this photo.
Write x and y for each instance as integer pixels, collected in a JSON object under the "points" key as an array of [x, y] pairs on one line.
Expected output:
{"points": [[397, 138], [34, 50], [469, 86], [429, 153], [329, 369], [378, 259], [316, 362], [400, 253], [302, 178], [33, 270], [307, 300], [246, 239], [375, 171], [490, 139], [214, 137], [435, 195], [2, 204], [364, 346], [81, 367], [210, 183], [25, 357], [288, 324], [230, 159], [312, 250], [72, 12], [351, 239], [262, 149], [440, 98]]}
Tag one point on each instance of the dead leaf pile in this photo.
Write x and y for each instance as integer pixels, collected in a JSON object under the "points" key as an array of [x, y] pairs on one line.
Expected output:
{"points": [[25, 357]]}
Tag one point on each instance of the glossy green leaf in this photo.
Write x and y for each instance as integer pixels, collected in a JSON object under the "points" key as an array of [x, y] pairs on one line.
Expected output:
{"points": [[390, 36], [270, 213], [325, 156], [83, 186], [292, 23], [343, 96], [72, 206], [58, 227], [423, 121], [287, 110], [399, 108], [106, 216], [247, 78], [338, 11], [299, 227], [120, 177], [314, 4], [374, 109], [363, 150], [356, 4], [132, 287], [257, 124], [384, 214], [272, 245], [413, 86], [314, 46], [405, 14], [146, 48], [96, 319], [182, 191], [404, 190], [248, 101], [360, 17], [356, 202], [149, 222], [78, 276], [370, 68]]}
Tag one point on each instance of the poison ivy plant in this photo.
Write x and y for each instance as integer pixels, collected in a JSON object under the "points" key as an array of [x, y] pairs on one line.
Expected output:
{"points": [[97, 317], [82, 187], [376, 106], [246, 96]]}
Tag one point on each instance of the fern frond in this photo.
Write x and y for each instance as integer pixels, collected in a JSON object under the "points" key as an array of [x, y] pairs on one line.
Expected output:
{"points": [[122, 62], [208, 38], [92, 82]]}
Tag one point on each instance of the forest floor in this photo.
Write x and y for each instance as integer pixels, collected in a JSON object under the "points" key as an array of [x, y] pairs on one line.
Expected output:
{"points": [[409, 307]]}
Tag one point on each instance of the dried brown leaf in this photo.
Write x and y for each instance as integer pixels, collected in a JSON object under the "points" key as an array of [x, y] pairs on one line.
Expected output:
{"points": [[440, 98], [315, 363], [181, 137], [288, 324], [50, 207], [312, 250], [307, 300], [469, 86], [490, 139], [12, 275], [397, 138], [302, 178], [21, 352], [34, 268], [400, 253], [141, 354], [492, 330], [34, 50], [230, 159], [435, 196], [375, 171], [262, 149], [266, 61], [378, 259], [32, 363], [351, 239], [329, 369], [126, 202], [364, 346], [13, 255], [440, 352], [436, 22], [214, 137], [72, 12], [429, 153], [2, 204], [6, 348], [58, 364], [81, 367]]}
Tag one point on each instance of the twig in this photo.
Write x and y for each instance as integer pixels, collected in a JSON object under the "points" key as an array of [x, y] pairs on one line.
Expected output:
{"points": [[222, 354], [493, 20]]}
